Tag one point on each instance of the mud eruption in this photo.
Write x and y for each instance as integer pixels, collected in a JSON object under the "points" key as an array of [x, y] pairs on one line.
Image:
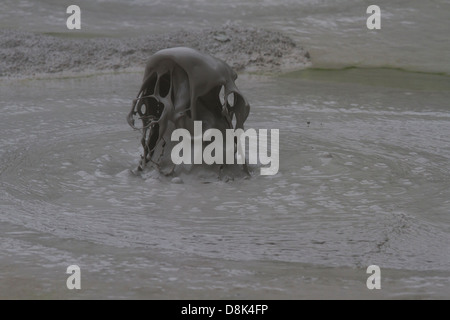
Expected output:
{"points": [[180, 86]]}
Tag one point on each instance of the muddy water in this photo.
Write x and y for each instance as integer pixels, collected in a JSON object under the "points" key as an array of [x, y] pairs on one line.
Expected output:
{"points": [[364, 179]]}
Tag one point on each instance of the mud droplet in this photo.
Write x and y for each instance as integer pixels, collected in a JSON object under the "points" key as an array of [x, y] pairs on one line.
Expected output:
{"points": [[177, 180]]}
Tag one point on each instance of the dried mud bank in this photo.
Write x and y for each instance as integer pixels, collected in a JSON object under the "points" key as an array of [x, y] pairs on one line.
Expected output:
{"points": [[24, 54]]}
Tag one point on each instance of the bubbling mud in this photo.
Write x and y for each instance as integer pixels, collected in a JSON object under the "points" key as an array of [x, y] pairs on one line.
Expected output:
{"points": [[180, 86]]}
